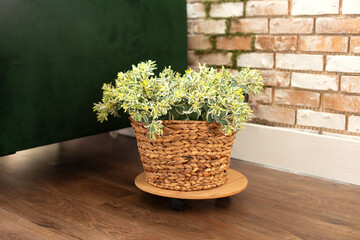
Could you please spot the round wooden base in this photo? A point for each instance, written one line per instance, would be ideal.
(236, 183)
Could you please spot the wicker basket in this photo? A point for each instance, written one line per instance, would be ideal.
(191, 155)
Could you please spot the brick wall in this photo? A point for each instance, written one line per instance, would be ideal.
(308, 52)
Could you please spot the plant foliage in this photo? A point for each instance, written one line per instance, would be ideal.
(203, 95)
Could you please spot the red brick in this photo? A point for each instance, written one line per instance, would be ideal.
(320, 119)
(227, 9)
(341, 63)
(355, 44)
(306, 62)
(255, 60)
(338, 25)
(195, 10)
(234, 43)
(264, 97)
(350, 84)
(200, 26)
(250, 25)
(276, 43)
(198, 42)
(342, 103)
(266, 8)
(350, 7)
(354, 124)
(274, 114)
(277, 79)
(297, 98)
(291, 25)
(218, 59)
(323, 43)
(314, 7)
(193, 59)
(315, 81)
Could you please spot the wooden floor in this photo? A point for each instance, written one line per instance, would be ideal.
(84, 189)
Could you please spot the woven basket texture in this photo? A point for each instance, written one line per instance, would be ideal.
(189, 156)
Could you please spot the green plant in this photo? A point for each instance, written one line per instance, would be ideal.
(204, 95)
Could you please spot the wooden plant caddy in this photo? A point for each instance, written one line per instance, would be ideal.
(236, 183)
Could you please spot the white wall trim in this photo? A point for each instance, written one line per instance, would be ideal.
(329, 157)
(125, 131)
(317, 155)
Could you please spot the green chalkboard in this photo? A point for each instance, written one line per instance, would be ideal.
(56, 54)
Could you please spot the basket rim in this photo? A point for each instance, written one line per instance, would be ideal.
(179, 121)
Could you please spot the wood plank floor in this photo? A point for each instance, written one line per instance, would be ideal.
(84, 189)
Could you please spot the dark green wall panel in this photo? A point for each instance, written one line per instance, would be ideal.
(55, 55)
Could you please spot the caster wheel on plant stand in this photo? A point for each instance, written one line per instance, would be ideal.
(178, 204)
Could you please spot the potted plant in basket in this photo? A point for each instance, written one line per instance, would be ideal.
(185, 125)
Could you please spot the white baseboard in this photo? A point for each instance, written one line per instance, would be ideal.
(302, 152)
(125, 131)
(307, 153)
